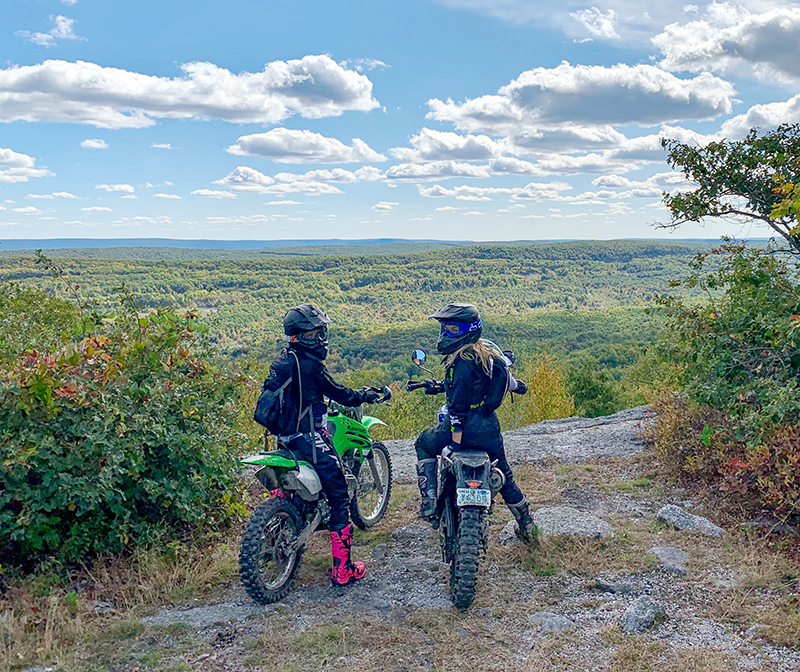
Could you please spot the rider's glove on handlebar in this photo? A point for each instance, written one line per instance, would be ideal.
(370, 397)
(522, 388)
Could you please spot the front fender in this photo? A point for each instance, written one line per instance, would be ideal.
(368, 421)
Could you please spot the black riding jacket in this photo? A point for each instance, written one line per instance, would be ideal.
(316, 384)
(465, 385)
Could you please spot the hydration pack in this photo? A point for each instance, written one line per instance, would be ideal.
(276, 410)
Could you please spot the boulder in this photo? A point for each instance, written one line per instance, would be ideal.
(673, 560)
(641, 615)
(568, 522)
(508, 535)
(683, 520)
(551, 622)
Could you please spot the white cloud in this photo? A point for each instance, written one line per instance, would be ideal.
(94, 143)
(130, 196)
(594, 95)
(54, 195)
(174, 197)
(598, 24)
(27, 210)
(473, 212)
(139, 220)
(362, 64)
(97, 208)
(16, 167)
(241, 219)
(729, 36)
(213, 193)
(384, 206)
(430, 145)
(533, 191)
(247, 179)
(116, 188)
(448, 208)
(161, 145)
(510, 166)
(86, 93)
(436, 170)
(284, 145)
(61, 31)
(765, 117)
(287, 202)
(70, 3)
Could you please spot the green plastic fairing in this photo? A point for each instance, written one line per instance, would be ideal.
(271, 461)
(368, 421)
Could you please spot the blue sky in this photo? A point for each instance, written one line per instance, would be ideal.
(446, 119)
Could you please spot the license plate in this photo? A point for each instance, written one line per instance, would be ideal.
(473, 497)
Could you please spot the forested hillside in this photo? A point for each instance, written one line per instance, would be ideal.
(528, 293)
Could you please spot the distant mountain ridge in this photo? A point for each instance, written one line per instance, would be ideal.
(204, 244)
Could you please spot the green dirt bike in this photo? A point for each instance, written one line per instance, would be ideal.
(276, 534)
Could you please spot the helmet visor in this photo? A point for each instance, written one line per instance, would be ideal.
(456, 329)
(318, 335)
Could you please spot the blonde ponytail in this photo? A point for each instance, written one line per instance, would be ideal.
(474, 351)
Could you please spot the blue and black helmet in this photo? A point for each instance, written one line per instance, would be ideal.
(460, 324)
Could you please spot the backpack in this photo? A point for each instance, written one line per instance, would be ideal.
(498, 385)
(276, 410)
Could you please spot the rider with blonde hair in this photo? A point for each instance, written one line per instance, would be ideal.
(473, 423)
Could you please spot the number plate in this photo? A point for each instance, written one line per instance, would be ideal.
(473, 497)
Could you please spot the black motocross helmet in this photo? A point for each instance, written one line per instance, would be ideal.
(306, 327)
(460, 324)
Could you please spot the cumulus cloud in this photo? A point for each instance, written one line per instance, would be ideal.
(599, 24)
(97, 208)
(288, 202)
(284, 145)
(169, 196)
(94, 143)
(362, 64)
(436, 170)
(213, 193)
(16, 167)
(595, 95)
(116, 188)
(54, 195)
(431, 145)
(765, 117)
(335, 175)
(384, 206)
(87, 93)
(27, 210)
(161, 145)
(63, 30)
(729, 35)
(245, 179)
(533, 191)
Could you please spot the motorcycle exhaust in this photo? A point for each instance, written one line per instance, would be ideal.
(496, 480)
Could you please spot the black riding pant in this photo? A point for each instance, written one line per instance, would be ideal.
(330, 474)
(479, 433)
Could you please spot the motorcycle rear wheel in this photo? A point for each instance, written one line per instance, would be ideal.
(464, 566)
(369, 505)
(266, 564)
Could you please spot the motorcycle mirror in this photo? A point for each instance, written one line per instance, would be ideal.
(419, 357)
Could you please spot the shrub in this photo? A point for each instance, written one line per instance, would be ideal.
(114, 439)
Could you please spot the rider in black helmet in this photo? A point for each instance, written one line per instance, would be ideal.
(471, 424)
(306, 331)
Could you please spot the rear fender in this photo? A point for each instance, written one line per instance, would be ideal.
(470, 465)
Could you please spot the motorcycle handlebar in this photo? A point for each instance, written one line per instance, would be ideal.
(430, 386)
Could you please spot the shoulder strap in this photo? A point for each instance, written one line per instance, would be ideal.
(300, 410)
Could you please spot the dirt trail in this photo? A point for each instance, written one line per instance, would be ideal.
(556, 609)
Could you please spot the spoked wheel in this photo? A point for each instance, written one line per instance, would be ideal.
(464, 567)
(372, 497)
(267, 563)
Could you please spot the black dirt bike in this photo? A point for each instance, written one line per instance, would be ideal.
(467, 483)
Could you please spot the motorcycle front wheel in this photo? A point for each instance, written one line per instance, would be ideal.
(370, 501)
(464, 565)
(267, 563)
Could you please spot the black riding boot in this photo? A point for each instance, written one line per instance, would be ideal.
(426, 479)
(526, 530)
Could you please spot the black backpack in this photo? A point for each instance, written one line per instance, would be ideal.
(276, 410)
(498, 385)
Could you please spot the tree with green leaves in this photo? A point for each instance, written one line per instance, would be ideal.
(749, 180)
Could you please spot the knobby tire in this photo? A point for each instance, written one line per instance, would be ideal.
(464, 568)
(372, 518)
(279, 515)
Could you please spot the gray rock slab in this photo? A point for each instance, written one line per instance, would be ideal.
(641, 615)
(551, 622)
(567, 440)
(413, 532)
(202, 617)
(673, 560)
(612, 585)
(683, 520)
(508, 535)
(566, 521)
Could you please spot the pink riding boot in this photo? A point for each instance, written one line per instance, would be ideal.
(344, 570)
